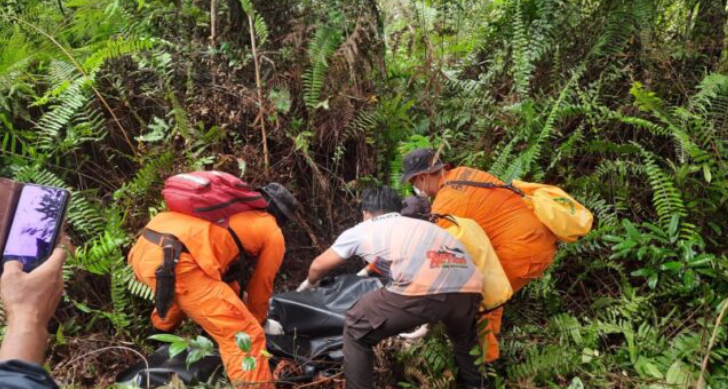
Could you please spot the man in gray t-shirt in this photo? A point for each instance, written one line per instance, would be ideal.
(417, 257)
(431, 279)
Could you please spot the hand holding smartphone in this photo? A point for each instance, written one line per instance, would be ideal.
(31, 221)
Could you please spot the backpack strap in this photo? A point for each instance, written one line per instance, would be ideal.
(239, 243)
(238, 271)
(487, 185)
(436, 217)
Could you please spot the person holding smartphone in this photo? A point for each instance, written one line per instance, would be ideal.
(31, 285)
(29, 299)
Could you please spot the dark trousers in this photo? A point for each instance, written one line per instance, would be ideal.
(381, 314)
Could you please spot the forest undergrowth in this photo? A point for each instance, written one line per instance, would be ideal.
(624, 103)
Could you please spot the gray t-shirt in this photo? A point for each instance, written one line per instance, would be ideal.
(418, 257)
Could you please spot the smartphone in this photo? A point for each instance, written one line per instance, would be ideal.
(36, 224)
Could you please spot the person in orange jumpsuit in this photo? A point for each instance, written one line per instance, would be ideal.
(201, 294)
(524, 245)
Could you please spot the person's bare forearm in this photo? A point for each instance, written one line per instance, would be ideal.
(25, 339)
(322, 265)
(315, 274)
(29, 300)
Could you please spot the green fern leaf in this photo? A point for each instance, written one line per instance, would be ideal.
(666, 198)
(523, 56)
(51, 124)
(323, 45)
(116, 48)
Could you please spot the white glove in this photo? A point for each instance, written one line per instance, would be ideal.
(363, 272)
(305, 285)
(273, 327)
(418, 333)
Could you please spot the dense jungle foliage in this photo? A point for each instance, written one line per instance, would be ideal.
(624, 103)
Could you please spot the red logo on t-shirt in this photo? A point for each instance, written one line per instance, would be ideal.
(446, 258)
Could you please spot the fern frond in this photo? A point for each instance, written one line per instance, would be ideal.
(50, 125)
(137, 288)
(590, 245)
(503, 158)
(87, 126)
(98, 255)
(645, 124)
(527, 158)
(144, 179)
(323, 45)
(414, 373)
(103, 255)
(365, 123)
(543, 361)
(259, 26)
(181, 120)
(61, 71)
(522, 55)
(666, 198)
(120, 299)
(711, 104)
(620, 26)
(619, 167)
(567, 328)
(115, 48)
(647, 101)
(467, 94)
(15, 145)
(16, 57)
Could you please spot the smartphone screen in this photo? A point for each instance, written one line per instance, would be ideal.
(36, 224)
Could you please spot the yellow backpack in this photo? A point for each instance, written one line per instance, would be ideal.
(565, 217)
(496, 287)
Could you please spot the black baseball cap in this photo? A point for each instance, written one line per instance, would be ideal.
(420, 161)
(282, 199)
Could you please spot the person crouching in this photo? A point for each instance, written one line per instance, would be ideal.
(204, 253)
(431, 278)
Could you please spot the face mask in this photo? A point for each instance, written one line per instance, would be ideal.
(419, 193)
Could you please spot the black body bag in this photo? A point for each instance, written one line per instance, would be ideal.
(314, 324)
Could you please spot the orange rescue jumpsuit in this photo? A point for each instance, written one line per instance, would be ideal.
(525, 247)
(200, 293)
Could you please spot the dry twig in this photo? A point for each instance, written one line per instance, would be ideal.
(706, 358)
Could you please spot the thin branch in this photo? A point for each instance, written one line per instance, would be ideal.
(314, 383)
(706, 358)
(146, 363)
(261, 108)
(213, 22)
(213, 38)
(60, 6)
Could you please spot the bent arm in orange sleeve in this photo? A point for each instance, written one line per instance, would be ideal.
(260, 287)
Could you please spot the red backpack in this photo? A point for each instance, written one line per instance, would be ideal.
(213, 196)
